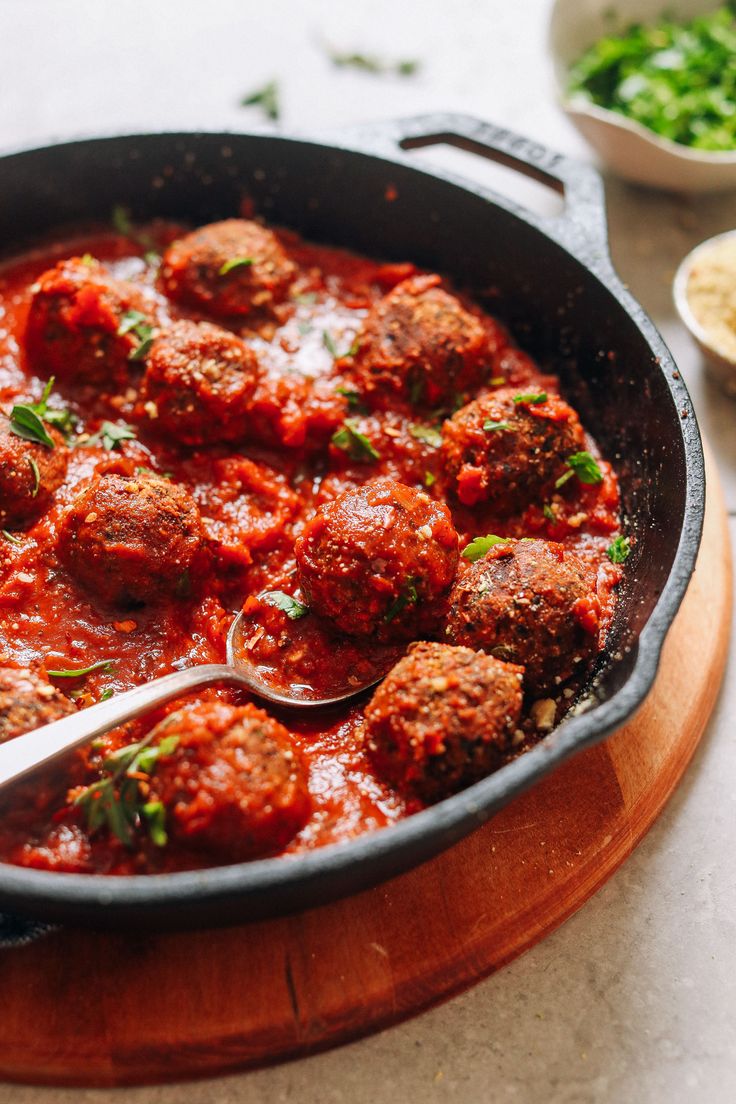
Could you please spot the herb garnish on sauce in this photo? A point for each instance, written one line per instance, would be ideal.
(118, 801)
(619, 549)
(354, 443)
(584, 466)
(27, 419)
(480, 545)
(279, 600)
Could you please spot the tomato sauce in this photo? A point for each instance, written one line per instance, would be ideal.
(254, 502)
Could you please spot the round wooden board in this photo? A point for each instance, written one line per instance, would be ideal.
(99, 1009)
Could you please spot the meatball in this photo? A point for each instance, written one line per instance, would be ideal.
(199, 384)
(29, 475)
(506, 452)
(228, 268)
(420, 344)
(443, 718)
(133, 540)
(530, 602)
(27, 702)
(84, 326)
(234, 785)
(379, 560)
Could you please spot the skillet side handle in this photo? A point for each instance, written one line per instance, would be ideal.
(582, 225)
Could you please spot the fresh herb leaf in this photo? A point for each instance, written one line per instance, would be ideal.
(267, 98)
(25, 422)
(143, 349)
(107, 693)
(11, 538)
(120, 218)
(429, 479)
(110, 435)
(548, 512)
(131, 320)
(354, 443)
(619, 549)
(82, 672)
(368, 63)
(293, 609)
(354, 399)
(135, 323)
(409, 596)
(329, 343)
(430, 435)
(416, 390)
(480, 545)
(532, 398)
(36, 476)
(675, 77)
(235, 262)
(491, 427)
(27, 415)
(118, 800)
(584, 466)
(154, 814)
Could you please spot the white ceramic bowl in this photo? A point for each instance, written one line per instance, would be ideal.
(630, 149)
(721, 366)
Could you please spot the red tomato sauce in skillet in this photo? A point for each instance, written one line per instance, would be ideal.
(254, 500)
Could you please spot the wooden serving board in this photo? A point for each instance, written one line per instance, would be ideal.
(100, 1009)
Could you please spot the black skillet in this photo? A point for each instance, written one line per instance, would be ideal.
(556, 288)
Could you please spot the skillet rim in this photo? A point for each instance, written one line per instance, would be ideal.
(581, 232)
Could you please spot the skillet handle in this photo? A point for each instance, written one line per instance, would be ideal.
(582, 225)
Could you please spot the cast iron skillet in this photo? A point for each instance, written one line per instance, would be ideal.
(552, 281)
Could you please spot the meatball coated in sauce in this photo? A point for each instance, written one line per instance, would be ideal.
(235, 267)
(507, 453)
(199, 384)
(234, 785)
(131, 541)
(379, 561)
(27, 702)
(421, 345)
(530, 602)
(74, 323)
(443, 718)
(29, 475)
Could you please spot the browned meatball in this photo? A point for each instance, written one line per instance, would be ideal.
(29, 475)
(379, 560)
(234, 785)
(199, 384)
(27, 702)
(235, 267)
(443, 718)
(530, 602)
(133, 540)
(84, 326)
(420, 344)
(508, 453)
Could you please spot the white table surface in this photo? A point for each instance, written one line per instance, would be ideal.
(634, 998)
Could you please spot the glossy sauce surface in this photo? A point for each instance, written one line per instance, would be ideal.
(254, 502)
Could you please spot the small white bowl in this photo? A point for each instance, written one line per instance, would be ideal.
(630, 149)
(720, 366)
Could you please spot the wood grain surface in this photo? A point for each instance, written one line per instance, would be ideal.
(88, 1008)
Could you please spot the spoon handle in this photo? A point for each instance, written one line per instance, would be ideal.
(24, 753)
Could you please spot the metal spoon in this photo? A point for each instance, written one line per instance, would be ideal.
(24, 753)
